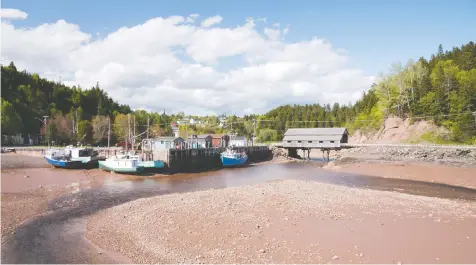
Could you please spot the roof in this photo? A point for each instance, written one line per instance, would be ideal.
(200, 136)
(218, 135)
(167, 138)
(336, 137)
(238, 138)
(315, 131)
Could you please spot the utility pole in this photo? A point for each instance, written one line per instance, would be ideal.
(108, 130)
(46, 130)
(147, 134)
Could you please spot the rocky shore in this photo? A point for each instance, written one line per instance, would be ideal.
(453, 157)
(289, 222)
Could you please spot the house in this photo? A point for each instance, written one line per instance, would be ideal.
(315, 137)
(200, 141)
(167, 142)
(16, 139)
(238, 141)
(220, 140)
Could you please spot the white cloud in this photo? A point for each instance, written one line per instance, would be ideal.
(10, 13)
(212, 21)
(169, 63)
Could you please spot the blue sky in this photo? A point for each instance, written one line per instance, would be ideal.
(374, 33)
(167, 59)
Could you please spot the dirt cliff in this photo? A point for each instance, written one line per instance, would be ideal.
(398, 130)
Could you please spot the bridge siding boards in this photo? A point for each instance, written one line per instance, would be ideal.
(310, 138)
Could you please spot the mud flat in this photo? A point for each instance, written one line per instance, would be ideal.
(451, 167)
(28, 183)
(289, 221)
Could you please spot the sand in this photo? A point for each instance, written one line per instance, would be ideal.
(289, 222)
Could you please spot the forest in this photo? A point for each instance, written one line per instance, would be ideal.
(441, 89)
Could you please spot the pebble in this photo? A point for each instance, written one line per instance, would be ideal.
(262, 251)
(26, 176)
(335, 257)
(361, 255)
(40, 186)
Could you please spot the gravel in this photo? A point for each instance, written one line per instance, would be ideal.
(288, 222)
(462, 157)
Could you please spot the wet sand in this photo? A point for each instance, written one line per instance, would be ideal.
(289, 221)
(432, 173)
(29, 183)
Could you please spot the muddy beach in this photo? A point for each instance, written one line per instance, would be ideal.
(276, 212)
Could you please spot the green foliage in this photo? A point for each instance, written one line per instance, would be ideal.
(85, 131)
(11, 121)
(268, 135)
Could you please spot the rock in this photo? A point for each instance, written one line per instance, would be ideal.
(40, 186)
(262, 251)
(361, 255)
(257, 227)
(26, 176)
(99, 252)
(335, 257)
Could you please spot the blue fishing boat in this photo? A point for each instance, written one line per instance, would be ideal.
(231, 158)
(72, 157)
(60, 158)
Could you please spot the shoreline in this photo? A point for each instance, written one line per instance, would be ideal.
(461, 175)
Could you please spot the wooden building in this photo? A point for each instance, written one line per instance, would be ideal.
(167, 142)
(200, 141)
(220, 140)
(238, 141)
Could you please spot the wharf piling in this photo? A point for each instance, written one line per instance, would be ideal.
(201, 159)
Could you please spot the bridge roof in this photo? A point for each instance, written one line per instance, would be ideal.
(316, 131)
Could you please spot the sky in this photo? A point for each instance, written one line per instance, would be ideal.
(233, 57)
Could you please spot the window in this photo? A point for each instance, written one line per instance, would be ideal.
(289, 142)
(321, 142)
(161, 142)
(309, 141)
(332, 142)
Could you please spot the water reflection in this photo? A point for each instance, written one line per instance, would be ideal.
(297, 171)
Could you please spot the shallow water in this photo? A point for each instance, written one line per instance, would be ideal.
(48, 239)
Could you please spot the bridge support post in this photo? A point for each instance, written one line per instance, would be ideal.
(328, 151)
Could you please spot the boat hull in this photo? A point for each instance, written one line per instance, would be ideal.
(125, 170)
(64, 164)
(233, 162)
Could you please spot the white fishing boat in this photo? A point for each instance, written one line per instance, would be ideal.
(122, 164)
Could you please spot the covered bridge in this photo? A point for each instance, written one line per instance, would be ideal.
(319, 138)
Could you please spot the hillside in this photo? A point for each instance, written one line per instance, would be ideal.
(439, 94)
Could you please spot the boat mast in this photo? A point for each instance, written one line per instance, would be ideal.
(108, 130)
(133, 139)
(128, 132)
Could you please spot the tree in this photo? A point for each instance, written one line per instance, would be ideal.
(11, 121)
(155, 131)
(100, 128)
(267, 135)
(85, 131)
(122, 126)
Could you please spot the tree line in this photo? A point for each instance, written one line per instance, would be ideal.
(441, 89)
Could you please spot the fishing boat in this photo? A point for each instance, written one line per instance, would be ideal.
(73, 157)
(122, 164)
(61, 158)
(231, 158)
(149, 165)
